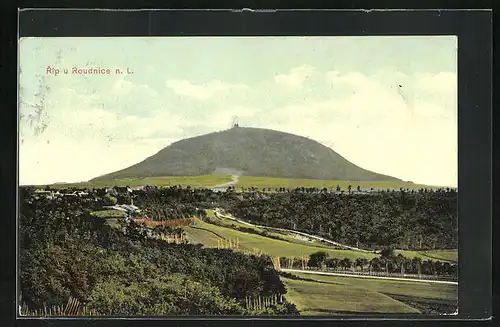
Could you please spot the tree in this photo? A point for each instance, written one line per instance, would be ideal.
(387, 252)
(416, 264)
(401, 262)
(317, 259)
(109, 200)
(332, 263)
(175, 295)
(361, 263)
(375, 264)
(428, 267)
(387, 257)
(346, 263)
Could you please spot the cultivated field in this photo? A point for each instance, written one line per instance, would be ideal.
(208, 234)
(330, 298)
(243, 181)
(111, 217)
(288, 245)
(424, 296)
(449, 255)
(273, 182)
(184, 181)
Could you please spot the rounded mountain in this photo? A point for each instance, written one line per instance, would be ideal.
(252, 152)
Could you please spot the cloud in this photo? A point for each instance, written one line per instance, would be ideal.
(62, 160)
(202, 91)
(368, 122)
(389, 122)
(295, 77)
(83, 144)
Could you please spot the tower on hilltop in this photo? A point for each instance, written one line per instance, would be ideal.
(235, 122)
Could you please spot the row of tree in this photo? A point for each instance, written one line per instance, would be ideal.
(387, 262)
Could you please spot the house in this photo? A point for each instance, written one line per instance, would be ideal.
(117, 190)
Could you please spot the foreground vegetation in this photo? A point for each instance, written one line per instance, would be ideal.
(65, 251)
(175, 257)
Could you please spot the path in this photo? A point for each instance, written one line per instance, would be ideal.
(370, 277)
(319, 238)
(228, 184)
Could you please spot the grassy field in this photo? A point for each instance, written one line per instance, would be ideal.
(424, 290)
(429, 298)
(273, 182)
(193, 181)
(244, 181)
(108, 213)
(448, 255)
(281, 235)
(331, 295)
(437, 255)
(111, 217)
(208, 234)
(315, 298)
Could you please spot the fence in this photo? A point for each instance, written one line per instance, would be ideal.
(168, 223)
(177, 239)
(72, 308)
(384, 274)
(262, 302)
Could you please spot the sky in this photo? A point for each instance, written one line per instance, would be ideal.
(385, 103)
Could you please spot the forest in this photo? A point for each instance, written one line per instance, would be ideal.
(65, 252)
(409, 220)
(398, 219)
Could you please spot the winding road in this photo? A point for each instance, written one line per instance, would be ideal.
(318, 238)
(228, 184)
(370, 277)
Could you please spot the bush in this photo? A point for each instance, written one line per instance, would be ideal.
(109, 200)
(175, 295)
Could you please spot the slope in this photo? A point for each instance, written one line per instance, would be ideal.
(251, 152)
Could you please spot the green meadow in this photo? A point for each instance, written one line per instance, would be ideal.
(209, 234)
(289, 245)
(165, 181)
(423, 297)
(243, 182)
(320, 298)
(274, 182)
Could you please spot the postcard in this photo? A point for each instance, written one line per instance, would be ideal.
(238, 176)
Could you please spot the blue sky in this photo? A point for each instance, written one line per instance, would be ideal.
(387, 104)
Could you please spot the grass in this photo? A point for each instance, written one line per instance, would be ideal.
(111, 217)
(233, 224)
(165, 181)
(274, 182)
(448, 255)
(428, 298)
(108, 213)
(244, 181)
(452, 255)
(313, 298)
(436, 255)
(208, 234)
(444, 292)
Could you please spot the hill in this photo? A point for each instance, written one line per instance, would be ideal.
(251, 152)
